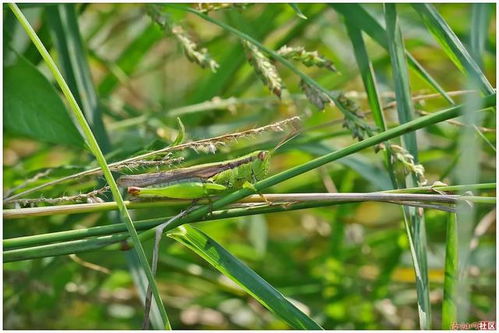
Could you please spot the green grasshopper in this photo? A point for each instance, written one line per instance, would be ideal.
(201, 180)
(196, 182)
(193, 183)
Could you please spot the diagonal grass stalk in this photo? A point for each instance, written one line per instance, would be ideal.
(95, 149)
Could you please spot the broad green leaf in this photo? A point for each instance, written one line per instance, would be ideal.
(33, 108)
(241, 274)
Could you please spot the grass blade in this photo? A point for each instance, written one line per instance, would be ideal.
(481, 14)
(414, 221)
(449, 306)
(359, 17)
(63, 22)
(468, 168)
(452, 45)
(241, 274)
(298, 11)
(367, 74)
(68, 235)
(94, 147)
(140, 282)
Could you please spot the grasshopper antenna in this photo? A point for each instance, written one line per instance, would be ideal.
(286, 139)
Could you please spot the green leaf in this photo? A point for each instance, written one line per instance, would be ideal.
(481, 13)
(141, 283)
(449, 310)
(452, 45)
(364, 21)
(72, 58)
(414, 222)
(241, 274)
(33, 108)
(369, 80)
(299, 13)
(181, 133)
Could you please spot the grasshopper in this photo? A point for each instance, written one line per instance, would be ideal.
(196, 182)
(201, 180)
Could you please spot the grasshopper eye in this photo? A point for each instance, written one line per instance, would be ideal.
(262, 155)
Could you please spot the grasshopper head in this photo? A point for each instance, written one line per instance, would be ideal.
(261, 164)
(132, 190)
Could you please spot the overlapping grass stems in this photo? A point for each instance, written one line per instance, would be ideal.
(28, 247)
(95, 149)
(413, 218)
(408, 127)
(195, 240)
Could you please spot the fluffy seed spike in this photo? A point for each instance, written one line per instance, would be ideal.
(265, 70)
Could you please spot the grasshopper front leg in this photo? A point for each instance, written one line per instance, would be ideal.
(253, 188)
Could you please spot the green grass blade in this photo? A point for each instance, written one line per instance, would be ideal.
(298, 11)
(77, 241)
(63, 22)
(414, 222)
(468, 169)
(452, 45)
(359, 17)
(367, 73)
(481, 13)
(369, 80)
(94, 147)
(140, 281)
(57, 249)
(241, 274)
(449, 306)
